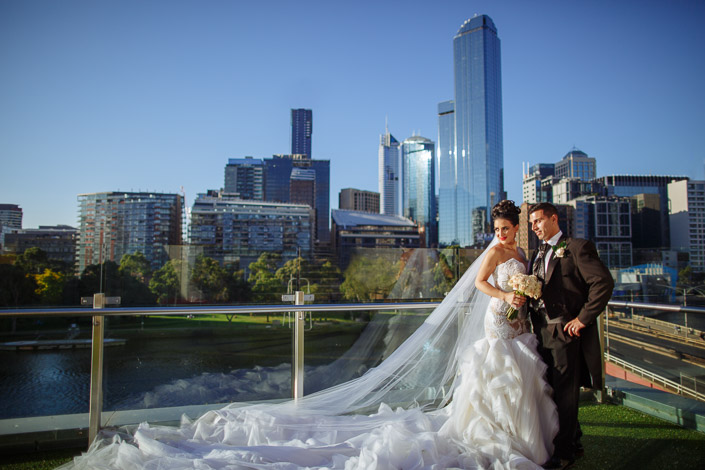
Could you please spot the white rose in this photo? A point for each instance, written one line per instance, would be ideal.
(560, 252)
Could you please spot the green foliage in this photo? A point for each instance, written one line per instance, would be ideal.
(266, 286)
(166, 282)
(114, 282)
(137, 266)
(211, 279)
(685, 277)
(50, 286)
(369, 278)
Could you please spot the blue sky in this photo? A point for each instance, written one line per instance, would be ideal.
(157, 95)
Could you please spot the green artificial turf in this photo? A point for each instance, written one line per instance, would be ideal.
(617, 437)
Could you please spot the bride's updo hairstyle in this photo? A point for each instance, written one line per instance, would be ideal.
(506, 210)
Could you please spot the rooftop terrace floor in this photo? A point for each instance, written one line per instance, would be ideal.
(615, 437)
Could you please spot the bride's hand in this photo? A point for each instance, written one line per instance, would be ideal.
(514, 299)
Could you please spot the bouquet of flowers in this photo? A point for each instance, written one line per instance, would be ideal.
(523, 284)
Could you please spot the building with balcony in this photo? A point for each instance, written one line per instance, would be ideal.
(58, 242)
(358, 200)
(232, 230)
(114, 224)
(419, 186)
(10, 221)
(244, 177)
(352, 230)
(687, 219)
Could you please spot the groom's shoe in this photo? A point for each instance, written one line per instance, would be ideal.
(556, 462)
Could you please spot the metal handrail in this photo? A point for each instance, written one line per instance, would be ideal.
(97, 346)
(255, 308)
(210, 310)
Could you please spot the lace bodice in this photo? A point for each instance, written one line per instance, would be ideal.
(496, 323)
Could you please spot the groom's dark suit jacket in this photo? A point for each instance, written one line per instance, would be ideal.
(576, 285)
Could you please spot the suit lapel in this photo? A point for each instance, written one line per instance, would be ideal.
(554, 260)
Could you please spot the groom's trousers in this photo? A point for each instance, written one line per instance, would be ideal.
(562, 355)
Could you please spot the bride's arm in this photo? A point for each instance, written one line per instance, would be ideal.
(489, 264)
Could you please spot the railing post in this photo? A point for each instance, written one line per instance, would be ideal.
(96, 393)
(297, 364)
(604, 336)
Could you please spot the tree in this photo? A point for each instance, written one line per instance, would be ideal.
(369, 278)
(137, 266)
(111, 281)
(265, 284)
(211, 279)
(166, 282)
(16, 288)
(50, 286)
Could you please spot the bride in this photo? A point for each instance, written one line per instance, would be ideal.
(465, 390)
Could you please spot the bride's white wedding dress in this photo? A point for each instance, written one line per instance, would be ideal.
(501, 414)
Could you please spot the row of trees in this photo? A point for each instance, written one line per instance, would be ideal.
(33, 279)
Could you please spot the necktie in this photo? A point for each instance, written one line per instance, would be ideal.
(540, 263)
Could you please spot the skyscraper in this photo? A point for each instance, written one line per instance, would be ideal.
(476, 171)
(447, 227)
(389, 175)
(419, 188)
(301, 131)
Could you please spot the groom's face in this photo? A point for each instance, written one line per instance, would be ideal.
(543, 226)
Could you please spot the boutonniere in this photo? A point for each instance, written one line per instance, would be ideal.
(560, 249)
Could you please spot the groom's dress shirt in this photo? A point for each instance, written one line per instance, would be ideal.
(551, 242)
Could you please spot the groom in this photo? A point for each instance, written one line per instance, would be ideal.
(576, 289)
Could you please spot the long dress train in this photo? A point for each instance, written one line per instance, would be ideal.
(500, 415)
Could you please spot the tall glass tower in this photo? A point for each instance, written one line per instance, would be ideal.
(477, 161)
(419, 188)
(389, 175)
(301, 131)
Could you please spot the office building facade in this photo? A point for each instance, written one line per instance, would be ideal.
(301, 132)
(58, 242)
(477, 166)
(389, 174)
(418, 155)
(358, 200)
(114, 224)
(278, 180)
(687, 220)
(352, 230)
(447, 222)
(576, 164)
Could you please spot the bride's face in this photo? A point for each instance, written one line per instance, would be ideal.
(505, 231)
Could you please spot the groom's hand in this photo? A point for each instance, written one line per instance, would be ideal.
(573, 327)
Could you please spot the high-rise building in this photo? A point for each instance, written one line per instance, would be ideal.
(477, 163)
(418, 155)
(687, 218)
(301, 132)
(576, 164)
(302, 186)
(10, 221)
(358, 200)
(232, 230)
(10, 216)
(389, 175)
(447, 223)
(114, 224)
(244, 177)
(277, 187)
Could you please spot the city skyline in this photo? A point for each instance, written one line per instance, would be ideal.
(155, 97)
